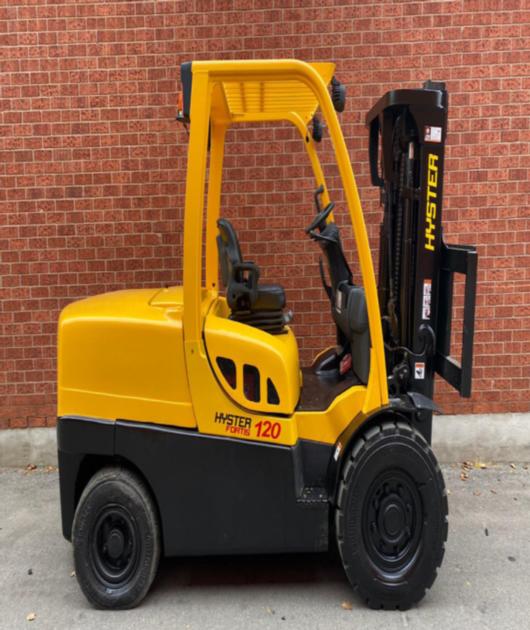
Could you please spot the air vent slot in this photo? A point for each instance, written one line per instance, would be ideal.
(272, 393)
(228, 370)
(251, 383)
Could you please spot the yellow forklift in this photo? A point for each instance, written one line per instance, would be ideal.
(186, 425)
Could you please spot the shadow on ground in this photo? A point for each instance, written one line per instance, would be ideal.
(222, 572)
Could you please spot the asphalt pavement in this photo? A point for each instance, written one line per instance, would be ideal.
(483, 583)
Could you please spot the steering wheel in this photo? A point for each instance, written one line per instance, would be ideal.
(320, 219)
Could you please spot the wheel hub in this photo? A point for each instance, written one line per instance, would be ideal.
(115, 545)
(393, 519)
(392, 522)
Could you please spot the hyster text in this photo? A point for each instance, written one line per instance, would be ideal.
(238, 425)
(432, 200)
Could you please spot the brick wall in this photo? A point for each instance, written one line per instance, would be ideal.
(92, 163)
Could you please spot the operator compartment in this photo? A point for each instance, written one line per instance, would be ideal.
(251, 350)
(351, 359)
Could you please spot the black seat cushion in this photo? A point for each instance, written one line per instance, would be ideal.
(271, 297)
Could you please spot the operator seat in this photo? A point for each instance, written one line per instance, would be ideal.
(250, 303)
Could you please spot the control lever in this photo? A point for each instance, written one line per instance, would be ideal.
(320, 219)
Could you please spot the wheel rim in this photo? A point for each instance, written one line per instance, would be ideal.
(393, 523)
(115, 546)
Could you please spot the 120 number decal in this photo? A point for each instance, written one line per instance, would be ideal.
(269, 429)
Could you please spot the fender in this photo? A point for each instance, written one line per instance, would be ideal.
(416, 410)
(78, 437)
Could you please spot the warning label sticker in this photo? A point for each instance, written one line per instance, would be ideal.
(426, 302)
(419, 371)
(433, 134)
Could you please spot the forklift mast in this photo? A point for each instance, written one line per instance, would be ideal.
(408, 131)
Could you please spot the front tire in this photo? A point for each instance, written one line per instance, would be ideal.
(116, 539)
(391, 516)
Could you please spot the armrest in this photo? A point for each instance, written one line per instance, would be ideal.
(246, 276)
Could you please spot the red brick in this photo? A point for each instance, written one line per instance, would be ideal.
(92, 165)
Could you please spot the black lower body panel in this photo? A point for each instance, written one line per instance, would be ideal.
(83, 444)
(215, 495)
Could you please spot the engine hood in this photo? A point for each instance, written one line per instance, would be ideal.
(121, 355)
(128, 304)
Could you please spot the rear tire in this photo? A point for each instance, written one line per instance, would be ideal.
(116, 539)
(391, 516)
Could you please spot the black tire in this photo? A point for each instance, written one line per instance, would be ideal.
(391, 516)
(116, 539)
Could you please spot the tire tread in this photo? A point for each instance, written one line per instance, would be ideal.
(364, 443)
(134, 483)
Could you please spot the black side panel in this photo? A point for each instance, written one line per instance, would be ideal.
(215, 495)
(316, 458)
(223, 496)
(69, 464)
(76, 438)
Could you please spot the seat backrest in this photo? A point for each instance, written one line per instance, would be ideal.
(229, 250)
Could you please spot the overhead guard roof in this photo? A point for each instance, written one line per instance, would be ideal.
(254, 96)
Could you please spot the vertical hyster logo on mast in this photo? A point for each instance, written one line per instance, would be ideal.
(432, 201)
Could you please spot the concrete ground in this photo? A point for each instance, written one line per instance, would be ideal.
(483, 583)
